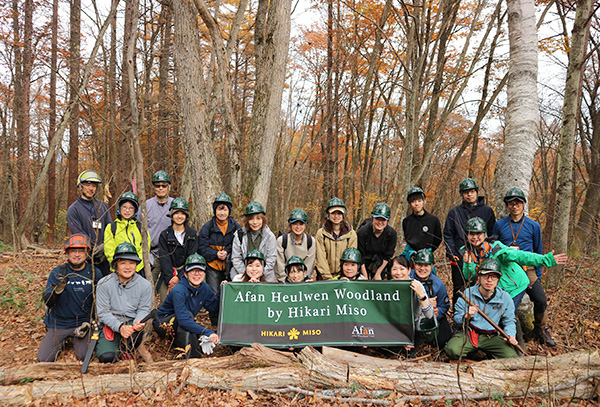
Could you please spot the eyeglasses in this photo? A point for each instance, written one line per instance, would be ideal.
(127, 207)
(161, 185)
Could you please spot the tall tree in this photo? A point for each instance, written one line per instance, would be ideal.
(74, 67)
(515, 164)
(52, 125)
(271, 44)
(571, 103)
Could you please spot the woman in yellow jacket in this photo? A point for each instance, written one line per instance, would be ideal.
(332, 239)
(125, 229)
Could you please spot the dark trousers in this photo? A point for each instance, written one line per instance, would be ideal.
(214, 279)
(54, 341)
(537, 295)
(184, 338)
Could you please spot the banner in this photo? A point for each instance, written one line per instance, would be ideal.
(334, 313)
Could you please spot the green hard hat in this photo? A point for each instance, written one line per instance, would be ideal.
(514, 193)
(88, 176)
(414, 192)
(294, 260)
(476, 225)
(298, 215)
(195, 261)
(336, 203)
(424, 256)
(125, 251)
(351, 254)
(467, 184)
(161, 176)
(255, 254)
(179, 204)
(254, 208)
(128, 197)
(223, 198)
(489, 265)
(381, 210)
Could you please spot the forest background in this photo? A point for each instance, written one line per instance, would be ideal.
(360, 100)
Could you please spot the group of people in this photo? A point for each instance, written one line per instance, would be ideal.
(189, 267)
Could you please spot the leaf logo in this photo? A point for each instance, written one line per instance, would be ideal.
(293, 334)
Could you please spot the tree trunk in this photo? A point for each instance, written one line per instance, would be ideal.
(272, 36)
(571, 102)
(74, 66)
(162, 127)
(201, 172)
(515, 164)
(51, 220)
(335, 371)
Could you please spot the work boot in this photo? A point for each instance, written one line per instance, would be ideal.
(543, 336)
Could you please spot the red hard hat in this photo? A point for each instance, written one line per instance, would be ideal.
(77, 240)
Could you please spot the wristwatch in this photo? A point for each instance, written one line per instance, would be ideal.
(423, 298)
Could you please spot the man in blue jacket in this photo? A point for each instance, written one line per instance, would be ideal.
(438, 296)
(522, 233)
(472, 206)
(89, 216)
(178, 312)
(477, 333)
(69, 298)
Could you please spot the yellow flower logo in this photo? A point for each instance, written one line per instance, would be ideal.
(293, 334)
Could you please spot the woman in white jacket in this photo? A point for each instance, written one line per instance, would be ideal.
(254, 234)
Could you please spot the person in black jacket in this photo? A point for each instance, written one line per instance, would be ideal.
(454, 229)
(176, 244)
(422, 230)
(215, 242)
(376, 243)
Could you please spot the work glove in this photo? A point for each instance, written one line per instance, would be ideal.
(206, 345)
(82, 330)
(60, 287)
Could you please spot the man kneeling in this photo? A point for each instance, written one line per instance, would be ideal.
(176, 316)
(477, 333)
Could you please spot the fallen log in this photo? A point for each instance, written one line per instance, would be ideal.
(337, 373)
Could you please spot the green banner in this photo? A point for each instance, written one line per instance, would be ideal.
(342, 313)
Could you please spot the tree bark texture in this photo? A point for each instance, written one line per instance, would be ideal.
(272, 36)
(335, 371)
(570, 114)
(74, 67)
(201, 171)
(515, 164)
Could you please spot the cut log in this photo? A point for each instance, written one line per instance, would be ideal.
(258, 368)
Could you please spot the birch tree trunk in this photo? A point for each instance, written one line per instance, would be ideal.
(272, 36)
(564, 181)
(201, 172)
(515, 164)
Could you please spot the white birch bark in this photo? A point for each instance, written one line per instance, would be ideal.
(515, 165)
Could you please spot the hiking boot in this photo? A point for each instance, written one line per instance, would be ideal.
(82, 330)
(543, 336)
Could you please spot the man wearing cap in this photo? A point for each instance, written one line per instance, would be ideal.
(477, 333)
(376, 242)
(69, 298)
(455, 236)
(89, 216)
(422, 230)
(184, 302)
(295, 243)
(158, 217)
(522, 233)
(123, 299)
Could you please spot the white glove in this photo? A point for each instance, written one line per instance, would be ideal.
(206, 345)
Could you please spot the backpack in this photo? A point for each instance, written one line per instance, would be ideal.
(284, 241)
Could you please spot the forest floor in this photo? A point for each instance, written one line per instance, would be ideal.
(574, 313)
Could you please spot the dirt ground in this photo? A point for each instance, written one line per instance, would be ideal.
(574, 313)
